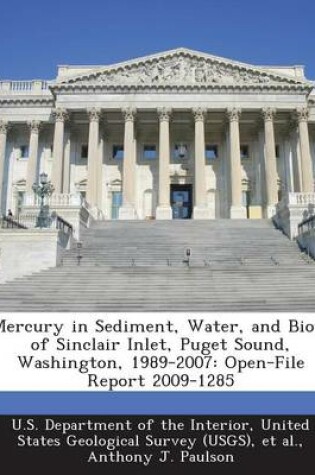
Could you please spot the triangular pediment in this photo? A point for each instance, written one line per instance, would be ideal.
(180, 70)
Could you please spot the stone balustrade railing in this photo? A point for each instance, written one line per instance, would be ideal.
(65, 199)
(302, 199)
(25, 87)
(57, 200)
(292, 210)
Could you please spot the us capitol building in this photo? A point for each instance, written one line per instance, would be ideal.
(175, 135)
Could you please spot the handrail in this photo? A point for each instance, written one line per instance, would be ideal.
(30, 221)
(63, 225)
(306, 225)
(8, 222)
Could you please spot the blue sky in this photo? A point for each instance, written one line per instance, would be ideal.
(36, 35)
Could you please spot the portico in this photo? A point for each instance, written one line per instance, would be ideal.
(123, 137)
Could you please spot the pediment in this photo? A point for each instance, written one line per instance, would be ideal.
(178, 71)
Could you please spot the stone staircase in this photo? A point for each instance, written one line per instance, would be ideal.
(140, 266)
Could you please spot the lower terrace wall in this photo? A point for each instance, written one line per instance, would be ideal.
(24, 251)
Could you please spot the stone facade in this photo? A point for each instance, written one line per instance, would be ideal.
(173, 135)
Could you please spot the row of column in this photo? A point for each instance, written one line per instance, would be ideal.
(235, 170)
(270, 161)
(164, 211)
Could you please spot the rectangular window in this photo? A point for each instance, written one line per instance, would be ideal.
(244, 149)
(211, 152)
(118, 152)
(84, 151)
(149, 152)
(23, 151)
(277, 151)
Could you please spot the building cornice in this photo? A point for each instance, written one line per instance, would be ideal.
(229, 89)
(31, 101)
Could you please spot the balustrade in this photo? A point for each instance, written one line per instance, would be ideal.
(300, 198)
(56, 199)
(25, 87)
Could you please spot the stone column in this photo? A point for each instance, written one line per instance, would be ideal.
(270, 163)
(3, 143)
(306, 160)
(92, 181)
(32, 165)
(201, 211)
(295, 155)
(223, 178)
(237, 211)
(164, 210)
(66, 162)
(99, 167)
(58, 149)
(127, 210)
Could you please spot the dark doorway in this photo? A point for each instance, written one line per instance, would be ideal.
(181, 201)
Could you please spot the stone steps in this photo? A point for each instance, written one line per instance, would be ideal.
(235, 266)
(159, 244)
